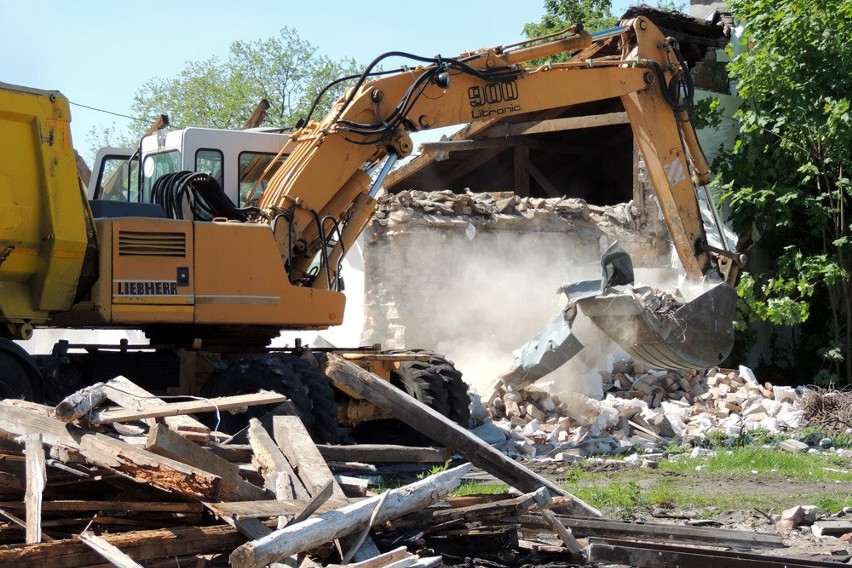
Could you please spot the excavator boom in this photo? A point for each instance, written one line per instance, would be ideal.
(324, 187)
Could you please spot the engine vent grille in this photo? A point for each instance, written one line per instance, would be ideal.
(139, 243)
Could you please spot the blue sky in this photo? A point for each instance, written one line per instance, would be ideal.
(99, 53)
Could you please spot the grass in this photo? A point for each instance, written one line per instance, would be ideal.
(778, 463)
(771, 480)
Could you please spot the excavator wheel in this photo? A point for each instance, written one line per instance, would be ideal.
(14, 379)
(436, 383)
(291, 376)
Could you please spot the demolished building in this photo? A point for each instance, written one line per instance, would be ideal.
(474, 236)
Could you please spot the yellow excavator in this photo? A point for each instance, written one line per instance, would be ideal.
(211, 278)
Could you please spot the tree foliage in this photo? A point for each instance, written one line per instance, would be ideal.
(285, 70)
(595, 15)
(787, 178)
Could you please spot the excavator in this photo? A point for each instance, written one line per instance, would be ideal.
(211, 269)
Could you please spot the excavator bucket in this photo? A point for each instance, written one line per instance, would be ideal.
(666, 334)
(697, 335)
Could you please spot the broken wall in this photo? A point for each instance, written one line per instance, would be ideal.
(475, 275)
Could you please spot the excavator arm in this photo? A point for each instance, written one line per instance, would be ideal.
(322, 196)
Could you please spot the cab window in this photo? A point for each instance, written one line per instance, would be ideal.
(210, 162)
(155, 166)
(251, 167)
(118, 179)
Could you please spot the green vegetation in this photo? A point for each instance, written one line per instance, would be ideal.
(771, 480)
(476, 488)
(285, 70)
(794, 72)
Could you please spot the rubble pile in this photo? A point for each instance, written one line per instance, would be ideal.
(409, 205)
(641, 408)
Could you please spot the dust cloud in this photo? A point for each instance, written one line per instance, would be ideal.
(478, 299)
(478, 295)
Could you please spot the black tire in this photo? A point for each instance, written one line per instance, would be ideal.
(15, 380)
(291, 376)
(323, 405)
(436, 383)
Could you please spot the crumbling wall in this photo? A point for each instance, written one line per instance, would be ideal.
(475, 275)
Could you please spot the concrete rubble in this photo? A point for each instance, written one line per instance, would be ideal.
(642, 408)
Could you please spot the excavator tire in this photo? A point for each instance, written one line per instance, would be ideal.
(14, 379)
(296, 379)
(436, 383)
(323, 405)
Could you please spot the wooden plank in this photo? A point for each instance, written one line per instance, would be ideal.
(277, 473)
(564, 533)
(558, 125)
(139, 545)
(642, 555)
(129, 506)
(36, 480)
(128, 461)
(335, 524)
(706, 536)
(258, 509)
(129, 395)
(446, 432)
(294, 440)
(542, 180)
(189, 407)
(380, 561)
(384, 453)
(109, 551)
(164, 441)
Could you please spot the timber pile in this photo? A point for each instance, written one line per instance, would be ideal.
(83, 485)
(146, 484)
(642, 408)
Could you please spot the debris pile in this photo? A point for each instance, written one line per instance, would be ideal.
(411, 205)
(642, 408)
(83, 485)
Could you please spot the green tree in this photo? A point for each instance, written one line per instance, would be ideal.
(285, 70)
(787, 178)
(595, 15)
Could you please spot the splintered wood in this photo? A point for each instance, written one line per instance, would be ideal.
(76, 492)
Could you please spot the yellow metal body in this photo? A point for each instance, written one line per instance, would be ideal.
(43, 212)
(166, 271)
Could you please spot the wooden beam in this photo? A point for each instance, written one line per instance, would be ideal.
(130, 396)
(699, 536)
(189, 407)
(80, 403)
(557, 125)
(384, 453)
(139, 545)
(293, 438)
(109, 551)
(648, 555)
(564, 533)
(444, 431)
(258, 115)
(123, 506)
(128, 461)
(542, 180)
(164, 441)
(277, 472)
(335, 524)
(36, 480)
